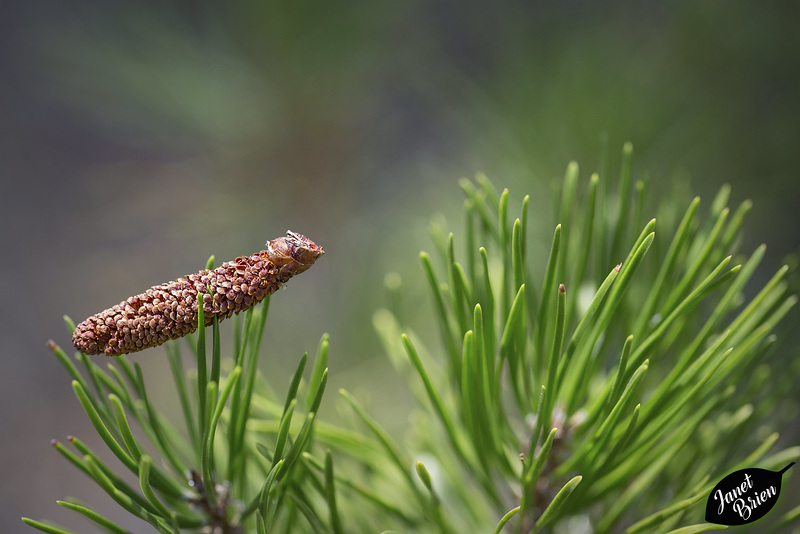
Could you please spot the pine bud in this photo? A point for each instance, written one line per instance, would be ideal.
(169, 311)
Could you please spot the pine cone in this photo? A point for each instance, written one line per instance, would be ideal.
(169, 311)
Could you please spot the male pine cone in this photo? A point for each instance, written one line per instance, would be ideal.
(169, 311)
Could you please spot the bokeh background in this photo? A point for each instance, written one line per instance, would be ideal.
(138, 138)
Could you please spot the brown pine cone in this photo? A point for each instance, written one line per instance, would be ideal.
(169, 311)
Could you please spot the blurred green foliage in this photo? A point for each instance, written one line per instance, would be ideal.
(342, 115)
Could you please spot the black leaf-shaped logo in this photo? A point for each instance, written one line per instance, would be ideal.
(744, 496)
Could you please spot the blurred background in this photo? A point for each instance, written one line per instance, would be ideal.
(138, 138)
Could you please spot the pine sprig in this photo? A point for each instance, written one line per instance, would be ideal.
(182, 480)
(627, 380)
(614, 388)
